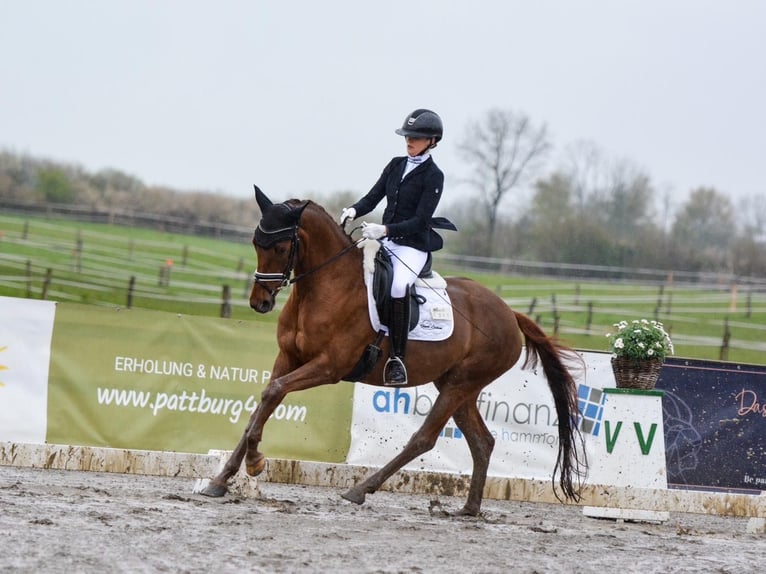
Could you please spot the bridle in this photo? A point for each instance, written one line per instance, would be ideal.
(269, 238)
(287, 277)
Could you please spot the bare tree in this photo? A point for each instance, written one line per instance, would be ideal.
(704, 227)
(619, 188)
(587, 168)
(505, 150)
(752, 215)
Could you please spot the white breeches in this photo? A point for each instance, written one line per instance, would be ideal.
(407, 262)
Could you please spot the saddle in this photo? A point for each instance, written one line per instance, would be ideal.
(383, 277)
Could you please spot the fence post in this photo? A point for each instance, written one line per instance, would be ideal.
(226, 303)
(185, 255)
(164, 280)
(77, 254)
(131, 288)
(532, 306)
(29, 278)
(589, 319)
(749, 304)
(46, 283)
(724, 355)
(659, 303)
(168, 269)
(25, 231)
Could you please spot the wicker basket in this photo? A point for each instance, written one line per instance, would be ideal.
(636, 374)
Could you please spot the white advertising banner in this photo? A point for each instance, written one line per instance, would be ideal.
(517, 408)
(26, 328)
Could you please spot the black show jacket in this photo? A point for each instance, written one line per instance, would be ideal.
(411, 203)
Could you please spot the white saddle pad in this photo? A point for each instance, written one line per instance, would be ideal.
(436, 320)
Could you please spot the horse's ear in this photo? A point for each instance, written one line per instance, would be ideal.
(263, 201)
(296, 212)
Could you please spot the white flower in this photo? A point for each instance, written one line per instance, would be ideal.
(640, 339)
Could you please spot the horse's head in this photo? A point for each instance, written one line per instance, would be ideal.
(276, 243)
(295, 240)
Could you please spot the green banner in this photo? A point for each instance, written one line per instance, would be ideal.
(126, 378)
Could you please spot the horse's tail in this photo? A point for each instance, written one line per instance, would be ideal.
(571, 464)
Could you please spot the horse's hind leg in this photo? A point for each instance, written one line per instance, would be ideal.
(421, 442)
(480, 442)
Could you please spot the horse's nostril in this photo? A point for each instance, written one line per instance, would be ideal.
(262, 306)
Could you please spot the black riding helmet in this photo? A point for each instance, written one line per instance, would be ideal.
(422, 124)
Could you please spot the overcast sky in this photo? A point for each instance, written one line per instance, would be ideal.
(303, 96)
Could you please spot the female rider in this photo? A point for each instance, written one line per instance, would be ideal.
(412, 186)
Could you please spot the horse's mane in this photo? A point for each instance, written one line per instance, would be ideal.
(313, 209)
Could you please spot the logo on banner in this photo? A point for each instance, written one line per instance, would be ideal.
(590, 402)
(2, 367)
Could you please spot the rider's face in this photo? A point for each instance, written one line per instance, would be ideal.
(416, 146)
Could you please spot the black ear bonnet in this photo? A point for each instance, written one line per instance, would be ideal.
(278, 223)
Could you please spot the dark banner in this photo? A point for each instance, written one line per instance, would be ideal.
(715, 424)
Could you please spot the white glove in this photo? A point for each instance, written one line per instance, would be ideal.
(373, 230)
(346, 214)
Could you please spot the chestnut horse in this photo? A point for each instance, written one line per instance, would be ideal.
(324, 329)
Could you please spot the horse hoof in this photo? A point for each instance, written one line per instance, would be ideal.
(214, 490)
(256, 467)
(465, 511)
(354, 495)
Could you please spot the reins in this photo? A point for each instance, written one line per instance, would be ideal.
(285, 278)
(338, 255)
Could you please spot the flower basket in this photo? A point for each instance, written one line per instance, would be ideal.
(636, 373)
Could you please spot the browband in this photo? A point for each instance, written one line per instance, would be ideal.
(266, 239)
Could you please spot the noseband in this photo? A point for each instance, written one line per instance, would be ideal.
(268, 238)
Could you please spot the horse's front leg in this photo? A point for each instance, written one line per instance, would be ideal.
(218, 486)
(316, 372)
(312, 374)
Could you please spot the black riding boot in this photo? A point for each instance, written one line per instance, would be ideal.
(394, 373)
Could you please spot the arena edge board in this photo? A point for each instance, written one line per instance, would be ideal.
(204, 466)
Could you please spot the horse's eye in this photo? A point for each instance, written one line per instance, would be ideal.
(280, 249)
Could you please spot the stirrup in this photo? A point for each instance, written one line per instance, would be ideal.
(394, 373)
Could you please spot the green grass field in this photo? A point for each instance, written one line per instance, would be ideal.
(94, 263)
